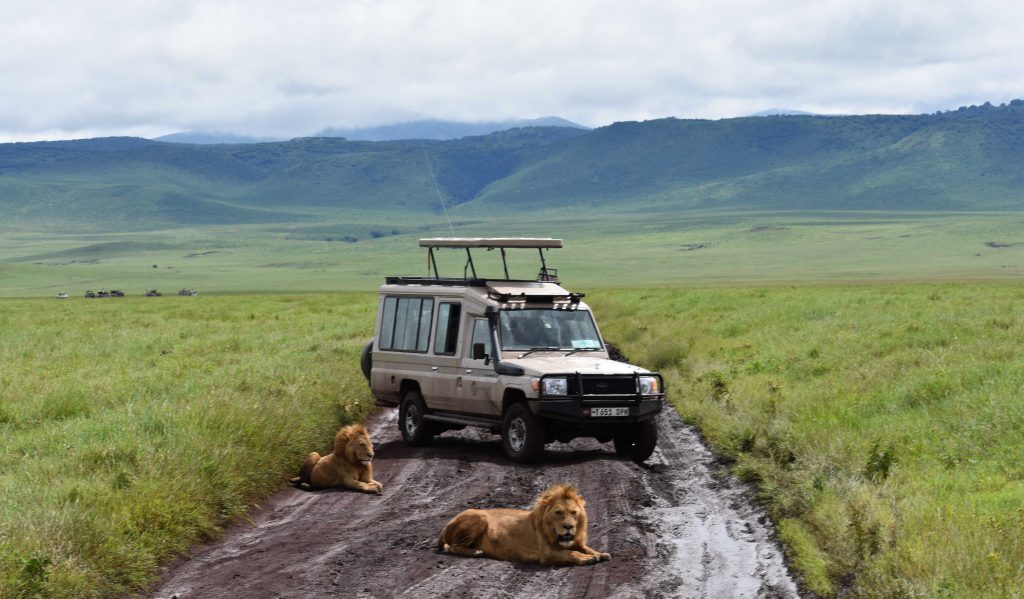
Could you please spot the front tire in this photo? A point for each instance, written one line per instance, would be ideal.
(415, 430)
(638, 442)
(522, 434)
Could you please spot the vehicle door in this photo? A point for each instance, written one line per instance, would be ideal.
(478, 382)
(445, 364)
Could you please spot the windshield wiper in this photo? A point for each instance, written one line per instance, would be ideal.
(535, 349)
(583, 349)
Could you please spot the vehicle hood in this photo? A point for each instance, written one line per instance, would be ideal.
(557, 363)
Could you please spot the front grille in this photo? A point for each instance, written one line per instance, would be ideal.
(602, 385)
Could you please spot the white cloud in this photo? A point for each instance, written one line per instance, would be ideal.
(81, 68)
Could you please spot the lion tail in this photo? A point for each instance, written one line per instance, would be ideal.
(307, 469)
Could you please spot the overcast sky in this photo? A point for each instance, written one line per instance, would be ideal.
(82, 68)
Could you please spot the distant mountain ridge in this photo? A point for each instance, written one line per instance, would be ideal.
(782, 112)
(203, 137)
(439, 130)
(424, 129)
(971, 159)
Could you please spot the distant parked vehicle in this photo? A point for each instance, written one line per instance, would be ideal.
(102, 293)
(116, 293)
(62, 295)
(187, 291)
(153, 293)
(90, 294)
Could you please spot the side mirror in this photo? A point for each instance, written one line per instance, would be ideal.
(479, 351)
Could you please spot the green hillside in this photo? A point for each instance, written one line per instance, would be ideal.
(966, 160)
(125, 184)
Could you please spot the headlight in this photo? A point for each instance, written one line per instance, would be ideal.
(555, 386)
(648, 385)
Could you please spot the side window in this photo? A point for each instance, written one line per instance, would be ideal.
(482, 334)
(387, 322)
(405, 324)
(447, 334)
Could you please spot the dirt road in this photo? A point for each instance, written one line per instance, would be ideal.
(674, 529)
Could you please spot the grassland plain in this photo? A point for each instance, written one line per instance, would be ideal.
(602, 249)
(134, 428)
(880, 423)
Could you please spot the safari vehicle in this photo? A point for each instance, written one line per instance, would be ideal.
(522, 358)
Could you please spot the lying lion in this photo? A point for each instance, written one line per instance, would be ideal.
(348, 465)
(554, 532)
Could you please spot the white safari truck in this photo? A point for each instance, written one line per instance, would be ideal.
(522, 358)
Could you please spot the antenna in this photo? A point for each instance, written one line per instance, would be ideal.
(437, 189)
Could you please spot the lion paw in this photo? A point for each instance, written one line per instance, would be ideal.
(377, 487)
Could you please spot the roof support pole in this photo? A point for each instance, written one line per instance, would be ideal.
(469, 263)
(437, 273)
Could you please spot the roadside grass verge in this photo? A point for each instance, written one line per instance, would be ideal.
(881, 424)
(135, 427)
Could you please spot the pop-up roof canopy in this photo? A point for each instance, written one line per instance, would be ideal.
(491, 242)
(469, 274)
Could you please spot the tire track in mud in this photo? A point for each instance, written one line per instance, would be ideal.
(675, 528)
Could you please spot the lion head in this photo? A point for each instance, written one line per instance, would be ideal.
(563, 519)
(353, 443)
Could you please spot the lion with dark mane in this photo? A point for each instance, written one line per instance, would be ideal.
(347, 466)
(554, 532)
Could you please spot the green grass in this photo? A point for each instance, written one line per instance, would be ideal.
(881, 424)
(134, 428)
(601, 249)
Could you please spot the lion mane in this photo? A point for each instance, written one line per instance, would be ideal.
(348, 465)
(554, 532)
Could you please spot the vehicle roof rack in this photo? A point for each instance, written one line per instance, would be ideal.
(489, 243)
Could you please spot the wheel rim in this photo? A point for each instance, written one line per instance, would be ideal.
(516, 435)
(411, 417)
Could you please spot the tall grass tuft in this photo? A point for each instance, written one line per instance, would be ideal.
(881, 424)
(135, 427)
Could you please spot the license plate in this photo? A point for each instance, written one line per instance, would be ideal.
(595, 412)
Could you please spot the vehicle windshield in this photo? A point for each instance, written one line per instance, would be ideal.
(560, 329)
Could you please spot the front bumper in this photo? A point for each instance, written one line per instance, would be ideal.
(577, 406)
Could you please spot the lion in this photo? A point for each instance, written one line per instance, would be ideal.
(347, 466)
(554, 532)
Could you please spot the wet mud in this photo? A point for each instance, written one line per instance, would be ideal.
(676, 528)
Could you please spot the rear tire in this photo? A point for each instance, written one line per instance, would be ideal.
(522, 434)
(366, 360)
(415, 430)
(638, 442)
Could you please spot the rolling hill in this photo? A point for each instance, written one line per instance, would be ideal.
(971, 159)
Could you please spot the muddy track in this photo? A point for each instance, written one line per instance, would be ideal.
(675, 529)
